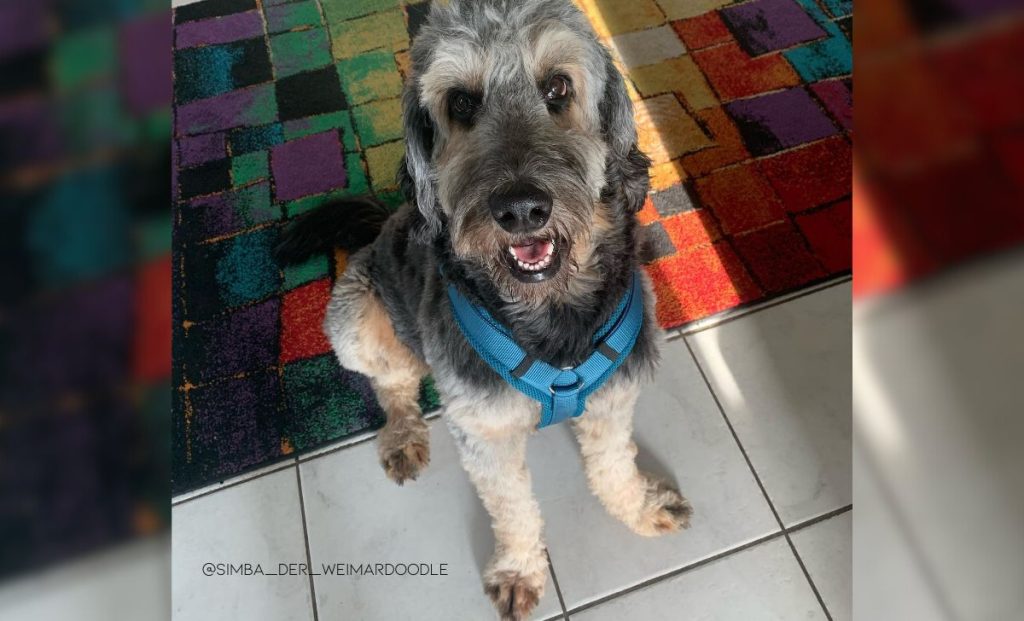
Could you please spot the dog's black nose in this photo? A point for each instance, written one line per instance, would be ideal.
(520, 209)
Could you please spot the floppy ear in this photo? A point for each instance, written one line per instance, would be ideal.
(626, 177)
(415, 175)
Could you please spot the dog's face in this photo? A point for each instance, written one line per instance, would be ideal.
(519, 138)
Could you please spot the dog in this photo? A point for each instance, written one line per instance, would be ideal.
(522, 177)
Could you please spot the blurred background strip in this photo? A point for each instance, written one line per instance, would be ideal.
(938, 221)
(84, 308)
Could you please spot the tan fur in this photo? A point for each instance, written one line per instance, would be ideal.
(645, 504)
(364, 340)
(491, 435)
(554, 49)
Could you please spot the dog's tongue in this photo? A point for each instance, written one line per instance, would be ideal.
(532, 252)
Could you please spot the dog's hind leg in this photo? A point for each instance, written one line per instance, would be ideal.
(646, 504)
(364, 339)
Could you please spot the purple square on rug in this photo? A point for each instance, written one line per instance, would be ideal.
(234, 424)
(219, 30)
(975, 9)
(310, 165)
(777, 121)
(74, 342)
(244, 340)
(221, 214)
(196, 150)
(766, 25)
(250, 106)
(22, 26)
(32, 124)
(145, 51)
(208, 216)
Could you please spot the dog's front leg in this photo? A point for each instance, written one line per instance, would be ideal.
(495, 459)
(644, 503)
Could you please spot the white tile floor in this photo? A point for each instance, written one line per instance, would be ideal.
(751, 417)
(938, 431)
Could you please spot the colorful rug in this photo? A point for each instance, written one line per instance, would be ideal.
(744, 108)
(85, 241)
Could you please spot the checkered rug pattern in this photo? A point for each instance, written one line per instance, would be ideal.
(85, 318)
(280, 106)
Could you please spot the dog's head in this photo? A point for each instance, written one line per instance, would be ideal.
(520, 142)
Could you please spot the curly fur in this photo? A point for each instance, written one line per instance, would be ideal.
(389, 316)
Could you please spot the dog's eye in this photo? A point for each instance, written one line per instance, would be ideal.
(557, 90)
(462, 106)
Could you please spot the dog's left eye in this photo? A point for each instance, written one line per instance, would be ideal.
(557, 90)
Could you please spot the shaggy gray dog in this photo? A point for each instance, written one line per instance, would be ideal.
(523, 180)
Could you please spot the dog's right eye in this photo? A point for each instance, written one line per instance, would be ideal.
(462, 106)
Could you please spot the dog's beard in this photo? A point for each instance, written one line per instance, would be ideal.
(514, 290)
(539, 265)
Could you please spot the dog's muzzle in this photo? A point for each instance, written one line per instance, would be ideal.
(523, 210)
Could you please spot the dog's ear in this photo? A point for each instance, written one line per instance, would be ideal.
(626, 171)
(415, 174)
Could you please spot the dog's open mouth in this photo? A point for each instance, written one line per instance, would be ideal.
(534, 260)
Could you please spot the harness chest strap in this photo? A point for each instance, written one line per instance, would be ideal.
(562, 393)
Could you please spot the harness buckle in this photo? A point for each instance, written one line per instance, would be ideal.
(567, 390)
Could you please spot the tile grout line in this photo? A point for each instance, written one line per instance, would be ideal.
(184, 498)
(305, 538)
(757, 479)
(807, 575)
(677, 571)
(554, 580)
(720, 555)
(818, 519)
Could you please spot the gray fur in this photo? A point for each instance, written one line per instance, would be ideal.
(514, 137)
(583, 154)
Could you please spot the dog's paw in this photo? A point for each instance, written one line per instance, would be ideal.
(404, 453)
(665, 510)
(514, 594)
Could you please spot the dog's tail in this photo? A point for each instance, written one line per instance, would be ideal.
(349, 224)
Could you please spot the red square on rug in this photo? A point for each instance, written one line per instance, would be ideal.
(692, 228)
(302, 318)
(152, 343)
(700, 282)
(702, 31)
(740, 198)
(735, 75)
(829, 232)
(811, 176)
(1009, 148)
(779, 257)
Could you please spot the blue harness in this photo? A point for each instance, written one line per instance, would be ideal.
(561, 392)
